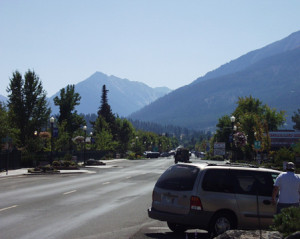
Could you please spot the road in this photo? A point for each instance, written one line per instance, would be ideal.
(110, 203)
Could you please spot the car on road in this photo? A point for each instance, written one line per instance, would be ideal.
(182, 155)
(150, 154)
(214, 197)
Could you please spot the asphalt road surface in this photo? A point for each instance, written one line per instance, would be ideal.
(110, 203)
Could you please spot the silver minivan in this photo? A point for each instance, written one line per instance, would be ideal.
(213, 197)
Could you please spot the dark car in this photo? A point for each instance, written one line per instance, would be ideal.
(182, 155)
(150, 154)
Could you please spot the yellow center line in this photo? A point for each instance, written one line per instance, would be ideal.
(70, 192)
(3, 209)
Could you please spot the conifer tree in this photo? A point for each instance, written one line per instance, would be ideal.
(105, 112)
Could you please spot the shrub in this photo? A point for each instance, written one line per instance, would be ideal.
(287, 222)
(283, 154)
(217, 158)
(131, 155)
(55, 163)
(67, 163)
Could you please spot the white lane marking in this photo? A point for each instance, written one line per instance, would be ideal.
(66, 193)
(128, 177)
(105, 183)
(3, 209)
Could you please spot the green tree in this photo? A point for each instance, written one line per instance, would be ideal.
(106, 112)
(27, 106)
(105, 109)
(5, 130)
(283, 154)
(256, 120)
(296, 120)
(63, 142)
(67, 102)
(224, 130)
(253, 119)
(126, 133)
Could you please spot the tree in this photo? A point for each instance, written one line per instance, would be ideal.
(5, 130)
(126, 133)
(106, 113)
(67, 102)
(254, 120)
(296, 120)
(27, 106)
(224, 130)
(105, 109)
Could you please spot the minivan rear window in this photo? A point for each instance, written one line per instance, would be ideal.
(178, 178)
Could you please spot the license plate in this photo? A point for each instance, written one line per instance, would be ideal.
(168, 200)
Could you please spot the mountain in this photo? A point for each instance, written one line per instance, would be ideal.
(3, 98)
(124, 96)
(289, 43)
(271, 74)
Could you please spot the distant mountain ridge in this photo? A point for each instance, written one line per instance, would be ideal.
(289, 43)
(271, 74)
(124, 96)
(3, 98)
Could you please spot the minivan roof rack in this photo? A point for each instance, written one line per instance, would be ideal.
(234, 165)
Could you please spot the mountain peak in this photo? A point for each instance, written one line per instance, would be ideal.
(125, 96)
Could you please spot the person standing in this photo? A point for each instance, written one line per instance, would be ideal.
(288, 186)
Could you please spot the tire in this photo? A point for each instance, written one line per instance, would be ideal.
(177, 228)
(220, 223)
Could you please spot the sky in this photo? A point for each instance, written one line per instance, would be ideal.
(158, 42)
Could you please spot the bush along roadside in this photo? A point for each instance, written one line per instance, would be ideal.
(288, 221)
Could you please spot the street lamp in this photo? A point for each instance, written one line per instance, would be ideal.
(232, 119)
(84, 129)
(91, 138)
(233, 128)
(51, 125)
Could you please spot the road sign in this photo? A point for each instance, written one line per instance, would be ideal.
(219, 145)
(257, 144)
(219, 151)
(219, 148)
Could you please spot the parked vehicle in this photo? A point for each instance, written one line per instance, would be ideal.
(182, 155)
(213, 197)
(150, 154)
(164, 154)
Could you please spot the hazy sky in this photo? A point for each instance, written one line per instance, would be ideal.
(157, 42)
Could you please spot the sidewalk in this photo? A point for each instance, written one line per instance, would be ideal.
(24, 171)
(86, 169)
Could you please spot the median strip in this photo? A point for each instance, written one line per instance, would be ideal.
(3, 209)
(70, 192)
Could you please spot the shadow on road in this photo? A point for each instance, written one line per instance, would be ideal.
(171, 235)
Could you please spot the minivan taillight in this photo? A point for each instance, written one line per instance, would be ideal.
(195, 203)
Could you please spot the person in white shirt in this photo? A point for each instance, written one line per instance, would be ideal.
(288, 186)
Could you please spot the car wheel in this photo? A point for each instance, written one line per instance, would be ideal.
(177, 228)
(220, 223)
